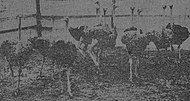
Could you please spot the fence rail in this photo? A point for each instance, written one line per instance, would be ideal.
(57, 17)
(47, 17)
(25, 28)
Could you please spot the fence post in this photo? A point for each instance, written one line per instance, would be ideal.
(19, 28)
(38, 19)
(113, 13)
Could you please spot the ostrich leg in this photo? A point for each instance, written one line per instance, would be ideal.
(179, 51)
(172, 48)
(166, 49)
(89, 50)
(79, 47)
(131, 72)
(136, 67)
(68, 73)
(98, 58)
(158, 49)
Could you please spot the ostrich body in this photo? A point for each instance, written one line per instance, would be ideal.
(161, 39)
(98, 36)
(179, 35)
(136, 42)
(65, 55)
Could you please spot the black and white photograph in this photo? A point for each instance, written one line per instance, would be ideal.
(94, 50)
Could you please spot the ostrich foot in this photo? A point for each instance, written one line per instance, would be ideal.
(136, 74)
(131, 79)
(70, 94)
(83, 54)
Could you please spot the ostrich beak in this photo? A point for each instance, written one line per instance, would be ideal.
(116, 7)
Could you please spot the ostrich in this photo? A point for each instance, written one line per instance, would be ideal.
(65, 55)
(98, 13)
(179, 33)
(95, 37)
(98, 37)
(114, 7)
(135, 42)
(105, 11)
(41, 46)
(161, 39)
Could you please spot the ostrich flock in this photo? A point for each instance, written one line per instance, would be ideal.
(93, 41)
(102, 37)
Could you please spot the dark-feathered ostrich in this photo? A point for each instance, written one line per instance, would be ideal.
(95, 37)
(100, 36)
(161, 38)
(41, 46)
(135, 42)
(64, 53)
(179, 33)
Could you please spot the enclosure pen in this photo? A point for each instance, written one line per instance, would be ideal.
(94, 50)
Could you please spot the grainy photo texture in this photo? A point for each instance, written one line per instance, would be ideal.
(94, 50)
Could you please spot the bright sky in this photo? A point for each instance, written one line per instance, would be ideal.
(82, 7)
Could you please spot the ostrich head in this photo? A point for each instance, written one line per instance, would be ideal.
(97, 3)
(169, 26)
(164, 7)
(139, 11)
(132, 8)
(113, 1)
(105, 10)
(67, 20)
(171, 6)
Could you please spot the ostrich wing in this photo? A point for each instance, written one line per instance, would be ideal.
(131, 29)
(180, 34)
(76, 33)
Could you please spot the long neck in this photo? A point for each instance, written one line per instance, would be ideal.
(104, 16)
(138, 21)
(171, 14)
(66, 29)
(164, 16)
(132, 17)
